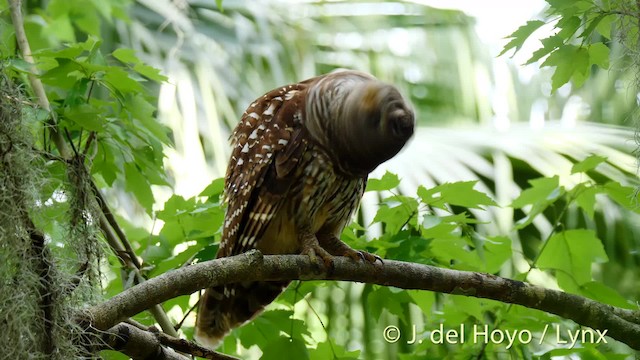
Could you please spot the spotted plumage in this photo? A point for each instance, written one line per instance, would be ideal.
(299, 164)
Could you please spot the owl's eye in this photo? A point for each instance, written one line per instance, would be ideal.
(400, 122)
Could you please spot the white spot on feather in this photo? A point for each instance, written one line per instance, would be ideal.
(245, 149)
(270, 110)
(289, 95)
(254, 115)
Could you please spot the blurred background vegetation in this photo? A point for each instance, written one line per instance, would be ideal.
(481, 117)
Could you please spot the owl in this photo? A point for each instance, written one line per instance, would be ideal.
(300, 159)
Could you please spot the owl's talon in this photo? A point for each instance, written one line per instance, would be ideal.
(312, 249)
(364, 256)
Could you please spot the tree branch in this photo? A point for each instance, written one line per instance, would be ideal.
(620, 324)
(137, 343)
(141, 342)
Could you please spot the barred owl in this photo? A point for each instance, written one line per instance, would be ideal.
(299, 165)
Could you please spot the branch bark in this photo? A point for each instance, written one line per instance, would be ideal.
(137, 343)
(620, 324)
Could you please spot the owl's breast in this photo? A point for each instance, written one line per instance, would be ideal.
(323, 202)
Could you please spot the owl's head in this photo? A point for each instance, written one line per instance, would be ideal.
(359, 120)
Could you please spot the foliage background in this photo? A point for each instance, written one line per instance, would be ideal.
(519, 138)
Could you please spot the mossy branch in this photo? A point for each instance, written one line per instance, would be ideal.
(620, 324)
(107, 221)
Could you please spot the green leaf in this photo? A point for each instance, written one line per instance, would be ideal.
(120, 82)
(572, 252)
(145, 124)
(298, 290)
(125, 55)
(153, 254)
(176, 261)
(586, 198)
(519, 36)
(601, 292)
(383, 298)
(569, 25)
(589, 163)
(387, 182)
(591, 25)
(330, 350)
(267, 329)
(541, 190)
(138, 185)
(103, 7)
(88, 21)
(497, 251)
(470, 306)
(294, 348)
(207, 253)
(59, 76)
(548, 45)
(86, 116)
(570, 61)
(605, 24)
(128, 56)
(175, 205)
(569, 7)
(455, 253)
(396, 216)
(149, 72)
(431, 221)
(423, 299)
(440, 230)
(624, 195)
(458, 193)
(214, 189)
(599, 55)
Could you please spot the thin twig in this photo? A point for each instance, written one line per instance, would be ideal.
(36, 84)
(113, 223)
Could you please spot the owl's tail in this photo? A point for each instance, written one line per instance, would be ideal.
(223, 308)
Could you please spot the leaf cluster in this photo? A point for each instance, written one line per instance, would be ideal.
(582, 31)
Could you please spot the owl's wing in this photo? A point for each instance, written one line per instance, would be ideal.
(267, 145)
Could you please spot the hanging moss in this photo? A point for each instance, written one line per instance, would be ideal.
(44, 279)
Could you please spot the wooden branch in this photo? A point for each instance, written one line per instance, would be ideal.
(620, 324)
(136, 343)
(140, 342)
